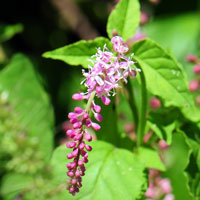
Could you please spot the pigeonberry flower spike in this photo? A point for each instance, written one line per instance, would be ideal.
(101, 80)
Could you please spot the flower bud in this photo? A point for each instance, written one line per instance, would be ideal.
(196, 69)
(96, 126)
(105, 100)
(193, 85)
(155, 103)
(77, 97)
(191, 58)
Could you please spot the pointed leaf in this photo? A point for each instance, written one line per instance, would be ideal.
(165, 78)
(124, 19)
(79, 52)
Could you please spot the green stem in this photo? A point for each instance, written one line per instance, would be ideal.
(142, 119)
(90, 101)
(132, 103)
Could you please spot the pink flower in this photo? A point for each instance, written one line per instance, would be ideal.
(101, 80)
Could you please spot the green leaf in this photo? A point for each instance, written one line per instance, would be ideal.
(165, 78)
(124, 19)
(79, 52)
(178, 33)
(111, 173)
(29, 101)
(176, 160)
(150, 158)
(13, 184)
(8, 31)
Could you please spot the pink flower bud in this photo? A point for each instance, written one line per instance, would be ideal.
(88, 137)
(72, 190)
(96, 126)
(71, 165)
(196, 69)
(162, 144)
(105, 100)
(70, 173)
(193, 85)
(97, 108)
(77, 173)
(70, 155)
(85, 160)
(80, 163)
(78, 110)
(71, 133)
(77, 97)
(98, 117)
(88, 147)
(74, 120)
(88, 123)
(84, 154)
(155, 103)
(72, 115)
(71, 144)
(81, 146)
(143, 18)
(191, 58)
(85, 116)
(74, 181)
(78, 137)
(75, 152)
(77, 125)
(169, 197)
(165, 185)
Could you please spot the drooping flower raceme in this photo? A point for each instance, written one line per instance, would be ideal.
(101, 80)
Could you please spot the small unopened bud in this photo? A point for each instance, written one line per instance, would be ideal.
(162, 144)
(77, 97)
(105, 100)
(70, 173)
(88, 147)
(155, 103)
(196, 69)
(143, 18)
(97, 108)
(88, 137)
(78, 110)
(96, 126)
(98, 117)
(191, 58)
(193, 85)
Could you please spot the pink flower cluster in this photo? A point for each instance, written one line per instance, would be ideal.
(158, 187)
(101, 81)
(194, 85)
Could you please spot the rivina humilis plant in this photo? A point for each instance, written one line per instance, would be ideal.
(149, 158)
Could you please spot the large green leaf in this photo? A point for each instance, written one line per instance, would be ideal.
(79, 52)
(176, 159)
(124, 19)
(164, 77)
(150, 158)
(8, 31)
(111, 173)
(179, 33)
(29, 101)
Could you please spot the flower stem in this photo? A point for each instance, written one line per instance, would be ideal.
(132, 103)
(142, 117)
(90, 101)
